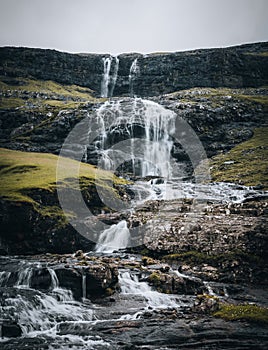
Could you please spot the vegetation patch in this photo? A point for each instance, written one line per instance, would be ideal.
(197, 258)
(218, 97)
(42, 94)
(155, 279)
(246, 164)
(245, 312)
(29, 177)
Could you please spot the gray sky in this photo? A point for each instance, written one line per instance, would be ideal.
(116, 26)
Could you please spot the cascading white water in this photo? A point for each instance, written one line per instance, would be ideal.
(133, 72)
(24, 278)
(114, 238)
(120, 118)
(84, 286)
(4, 277)
(130, 284)
(114, 76)
(109, 81)
(106, 76)
(39, 313)
(54, 279)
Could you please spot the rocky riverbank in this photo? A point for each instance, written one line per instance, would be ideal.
(189, 314)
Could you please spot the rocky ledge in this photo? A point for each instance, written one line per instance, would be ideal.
(225, 243)
(157, 73)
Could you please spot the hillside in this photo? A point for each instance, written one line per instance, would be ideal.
(151, 75)
(30, 212)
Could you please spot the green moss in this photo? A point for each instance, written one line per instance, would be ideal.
(146, 260)
(263, 100)
(109, 292)
(246, 163)
(247, 312)
(11, 102)
(54, 213)
(154, 278)
(197, 258)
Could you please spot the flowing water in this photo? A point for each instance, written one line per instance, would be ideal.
(138, 133)
(133, 73)
(114, 238)
(110, 72)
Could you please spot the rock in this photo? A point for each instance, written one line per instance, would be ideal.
(98, 278)
(158, 73)
(10, 329)
(228, 244)
(41, 279)
(169, 283)
(206, 304)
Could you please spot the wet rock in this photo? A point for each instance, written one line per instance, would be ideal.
(170, 283)
(94, 278)
(206, 304)
(41, 279)
(9, 329)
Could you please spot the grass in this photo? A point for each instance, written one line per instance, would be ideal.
(42, 93)
(249, 162)
(261, 54)
(22, 173)
(217, 97)
(47, 87)
(11, 102)
(245, 312)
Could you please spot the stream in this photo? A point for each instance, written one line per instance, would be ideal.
(41, 308)
(50, 317)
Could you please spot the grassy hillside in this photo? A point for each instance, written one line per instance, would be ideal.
(247, 163)
(23, 174)
(39, 94)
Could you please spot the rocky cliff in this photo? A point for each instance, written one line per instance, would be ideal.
(143, 75)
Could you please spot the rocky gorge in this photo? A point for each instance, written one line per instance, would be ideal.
(181, 259)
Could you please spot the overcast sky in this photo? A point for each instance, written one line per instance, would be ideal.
(116, 26)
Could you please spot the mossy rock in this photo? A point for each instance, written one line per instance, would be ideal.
(245, 312)
(246, 163)
(198, 258)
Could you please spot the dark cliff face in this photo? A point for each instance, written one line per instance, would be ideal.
(155, 74)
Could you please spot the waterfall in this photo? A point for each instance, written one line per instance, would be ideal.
(106, 76)
(114, 238)
(24, 278)
(54, 279)
(4, 277)
(130, 284)
(133, 72)
(146, 125)
(114, 76)
(84, 285)
(109, 81)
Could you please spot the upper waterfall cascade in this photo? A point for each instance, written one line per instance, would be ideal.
(110, 72)
(133, 73)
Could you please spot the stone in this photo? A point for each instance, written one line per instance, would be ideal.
(10, 330)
